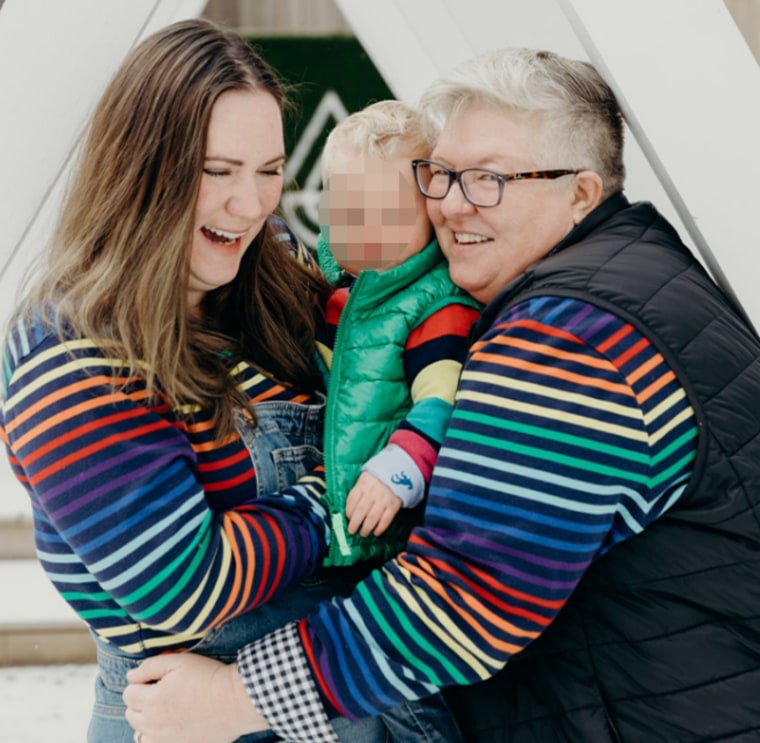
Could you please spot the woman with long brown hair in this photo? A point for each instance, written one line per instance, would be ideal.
(159, 380)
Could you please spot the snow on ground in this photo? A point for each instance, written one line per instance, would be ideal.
(39, 704)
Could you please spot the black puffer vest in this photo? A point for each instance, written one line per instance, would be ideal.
(661, 639)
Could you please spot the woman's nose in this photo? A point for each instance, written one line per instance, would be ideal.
(454, 202)
(245, 201)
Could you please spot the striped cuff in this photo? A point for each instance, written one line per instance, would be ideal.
(279, 682)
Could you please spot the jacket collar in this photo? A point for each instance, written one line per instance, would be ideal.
(591, 221)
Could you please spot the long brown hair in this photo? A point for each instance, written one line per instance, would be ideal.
(118, 265)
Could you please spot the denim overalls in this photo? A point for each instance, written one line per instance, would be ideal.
(284, 444)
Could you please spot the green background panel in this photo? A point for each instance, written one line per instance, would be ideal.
(317, 64)
(314, 66)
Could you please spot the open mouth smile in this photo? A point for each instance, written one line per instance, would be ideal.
(468, 238)
(222, 237)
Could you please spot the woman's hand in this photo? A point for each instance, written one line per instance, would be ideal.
(189, 698)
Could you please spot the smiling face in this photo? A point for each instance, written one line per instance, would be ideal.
(240, 187)
(488, 247)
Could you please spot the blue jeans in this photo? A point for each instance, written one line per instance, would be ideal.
(426, 720)
(285, 443)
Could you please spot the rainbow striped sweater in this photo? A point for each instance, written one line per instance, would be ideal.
(570, 433)
(130, 499)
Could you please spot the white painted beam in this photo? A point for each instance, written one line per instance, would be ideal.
(395, 45)
(412, 42)
(55, 59)
(690, 90)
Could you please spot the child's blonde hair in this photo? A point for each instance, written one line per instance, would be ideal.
(386, 129)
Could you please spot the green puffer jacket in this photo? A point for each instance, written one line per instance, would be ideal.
(368, 395)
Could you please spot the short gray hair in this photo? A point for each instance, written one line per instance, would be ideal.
(580, 118)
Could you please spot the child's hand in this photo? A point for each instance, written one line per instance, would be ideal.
(371, 506)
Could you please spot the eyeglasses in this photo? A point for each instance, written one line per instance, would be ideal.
(481, 187)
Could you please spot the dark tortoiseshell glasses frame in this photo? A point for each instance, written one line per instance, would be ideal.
(470, 178)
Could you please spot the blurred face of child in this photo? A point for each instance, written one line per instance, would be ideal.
(375, 214)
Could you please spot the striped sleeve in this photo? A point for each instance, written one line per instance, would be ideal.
(124, 530)
(433, 357)
(570, 433)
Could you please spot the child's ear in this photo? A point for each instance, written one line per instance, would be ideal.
(587, 193)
